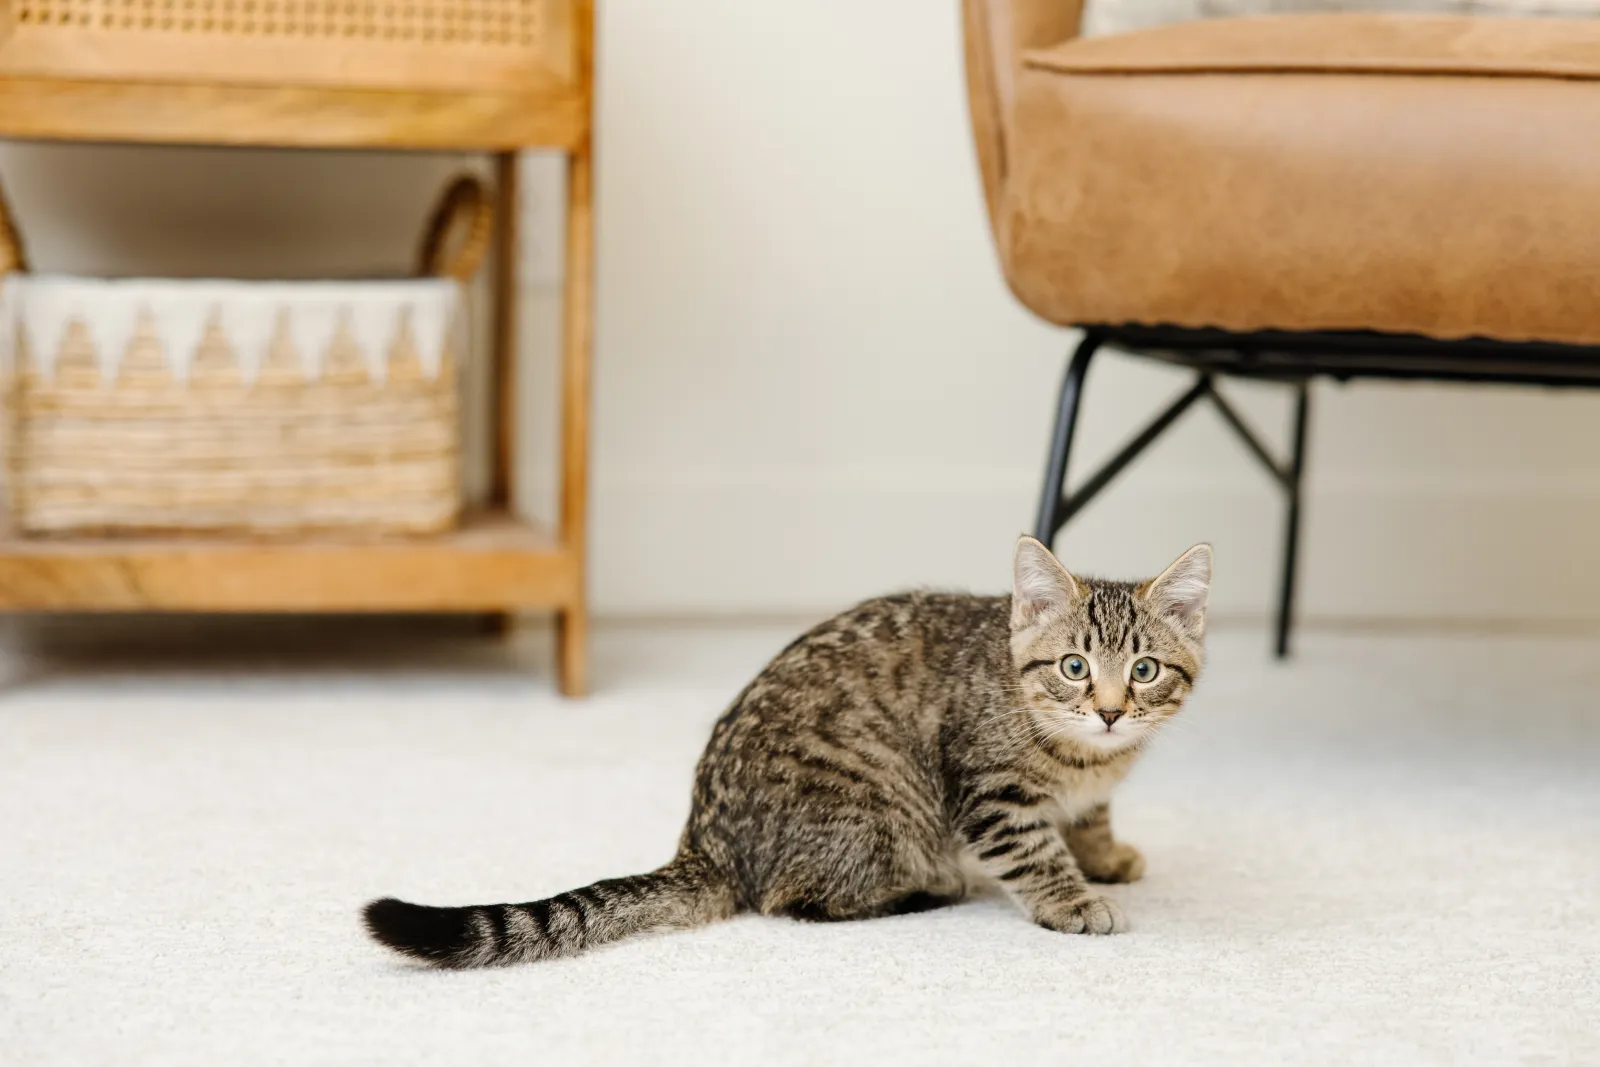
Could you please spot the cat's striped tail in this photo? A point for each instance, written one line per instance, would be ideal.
(685, 893)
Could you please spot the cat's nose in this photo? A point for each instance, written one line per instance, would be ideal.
(1110, 715)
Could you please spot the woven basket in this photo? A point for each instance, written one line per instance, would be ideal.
(147, 405)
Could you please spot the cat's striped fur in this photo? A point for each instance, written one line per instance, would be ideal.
(896, 758)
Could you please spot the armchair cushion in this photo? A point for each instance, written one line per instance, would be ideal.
(1411, 174)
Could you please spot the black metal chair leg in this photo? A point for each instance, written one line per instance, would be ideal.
(1049, 519)
(1291, 542)
(1056, 506)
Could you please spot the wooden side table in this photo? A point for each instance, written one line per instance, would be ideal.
(492, 76)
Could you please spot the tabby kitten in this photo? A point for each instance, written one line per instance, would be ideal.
(899, 757)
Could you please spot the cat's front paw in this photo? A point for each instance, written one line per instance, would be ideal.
(1085, 915)
(1122, 863)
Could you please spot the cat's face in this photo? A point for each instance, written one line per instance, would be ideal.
(1101, 665)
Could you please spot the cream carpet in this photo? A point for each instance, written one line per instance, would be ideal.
(1386, 853)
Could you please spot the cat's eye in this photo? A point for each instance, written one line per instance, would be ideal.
(1145, 670)
(1076, 668)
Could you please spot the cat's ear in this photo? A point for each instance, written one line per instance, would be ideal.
(1179, 594)
(1039, 583)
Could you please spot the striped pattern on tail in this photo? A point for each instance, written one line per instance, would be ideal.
(687, 892)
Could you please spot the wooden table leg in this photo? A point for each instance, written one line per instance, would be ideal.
(573, 624)
(505, 297)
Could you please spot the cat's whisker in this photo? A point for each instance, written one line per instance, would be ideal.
(1178, 725)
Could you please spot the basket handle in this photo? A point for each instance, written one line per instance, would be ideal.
(466, 206)
(13, 256)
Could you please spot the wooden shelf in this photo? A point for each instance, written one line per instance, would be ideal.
(491, 563)
(170, 95)
(289, 117)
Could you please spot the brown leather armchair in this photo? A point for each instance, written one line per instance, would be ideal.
(1288, 197)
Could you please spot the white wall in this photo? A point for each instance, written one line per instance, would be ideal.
(811, 383)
